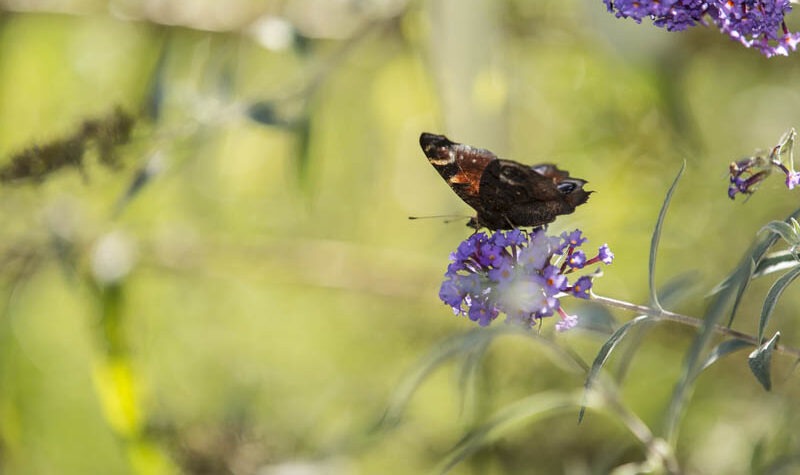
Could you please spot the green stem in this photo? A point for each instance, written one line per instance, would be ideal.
(691, 321)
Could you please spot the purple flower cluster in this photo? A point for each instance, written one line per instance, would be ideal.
(517, 273)
(747, 173)
(754, 23)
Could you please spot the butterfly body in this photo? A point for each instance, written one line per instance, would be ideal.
(505, 194)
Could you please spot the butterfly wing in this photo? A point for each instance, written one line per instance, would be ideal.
(514, 195)
(460, 165)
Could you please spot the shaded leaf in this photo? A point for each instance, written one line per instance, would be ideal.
(657, 237)
(772, 299)
(724, 349)
(760, 359)
(605, 352)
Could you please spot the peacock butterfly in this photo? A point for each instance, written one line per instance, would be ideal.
(505, 194)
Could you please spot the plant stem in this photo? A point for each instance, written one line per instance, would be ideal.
(691, 321)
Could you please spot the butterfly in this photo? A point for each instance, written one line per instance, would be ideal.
(505, 194)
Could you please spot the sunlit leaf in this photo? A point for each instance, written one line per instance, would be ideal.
(657, 237)
(784, 230)
(776, 262)
(724, 349)
(772, 299)
(760, 359)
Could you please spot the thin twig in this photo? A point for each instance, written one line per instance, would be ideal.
(691, 321)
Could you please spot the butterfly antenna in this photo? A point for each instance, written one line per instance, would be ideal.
(448, 218)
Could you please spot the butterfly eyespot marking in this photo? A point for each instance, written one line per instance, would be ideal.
(506, 194)
(567, 186)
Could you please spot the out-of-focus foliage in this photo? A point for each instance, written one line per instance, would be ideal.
(229, 283)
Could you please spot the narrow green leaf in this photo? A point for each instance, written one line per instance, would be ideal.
(741, 278)
(605, 352)
(784, 230)
(632, 344)
(776, 262)
(724, 349)
(772, 299)
(657, 237)
(760, 359)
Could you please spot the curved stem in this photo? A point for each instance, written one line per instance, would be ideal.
(691, 321)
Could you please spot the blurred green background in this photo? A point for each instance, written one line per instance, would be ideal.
(254, 306)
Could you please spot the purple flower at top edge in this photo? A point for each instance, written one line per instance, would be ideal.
(754, 23)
